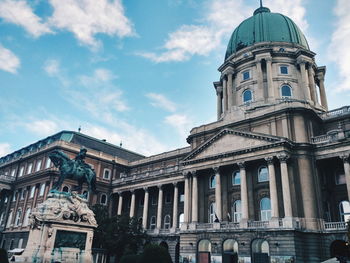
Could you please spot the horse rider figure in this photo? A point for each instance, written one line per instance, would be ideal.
(79, 159)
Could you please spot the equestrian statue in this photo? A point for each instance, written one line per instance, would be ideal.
(75, 169)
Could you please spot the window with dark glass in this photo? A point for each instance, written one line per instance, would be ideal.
(286, 91)
(265, 209)
(263, 174)
(212, 182)
(340, 178)
(246, 75)
(284, 70)
(247, 96)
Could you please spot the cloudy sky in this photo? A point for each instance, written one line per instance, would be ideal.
(137, 71)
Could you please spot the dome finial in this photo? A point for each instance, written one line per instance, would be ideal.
(261, 5)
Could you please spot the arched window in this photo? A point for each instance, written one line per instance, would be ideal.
(263, 174)
(167, 222)
(247, 96)
(103, 199)
(152, 224)
(9, 219)
(236, 178)
(181, 219)
(286, 91)
(230, 246)
(344, 209)
(265, 209)
(18, 217)
(204, 246)
(42, 190)
(26, 217)
(212, 213)
(65, 189)
(212, 182)
(260, 246)
(86, 194)
(237, 211)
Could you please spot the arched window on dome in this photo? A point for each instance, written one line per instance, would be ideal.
(247, 96)
(286, 91)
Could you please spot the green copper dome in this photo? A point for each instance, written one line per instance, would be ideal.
(265, 26)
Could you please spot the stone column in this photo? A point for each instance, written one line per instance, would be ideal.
(224, 94)
(271, 89)
(187, 194)
(218, 197)
(347, 173)
(160, 207)
(175, 204)
(273, 187)
(145, 209)
(260, 76)
(219, 102)
(194, 197)
(120, 204)
(322, 91)
(287, 201)
(244, 191)
(306, 89)
(229, 90)
(312, 84)
(132, 204)
(35, 199)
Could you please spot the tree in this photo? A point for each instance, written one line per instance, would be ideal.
(119, 235)
(155, 253)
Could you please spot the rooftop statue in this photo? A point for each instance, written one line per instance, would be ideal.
(75, 169)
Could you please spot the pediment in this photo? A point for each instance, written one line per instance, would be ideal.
(230, 141)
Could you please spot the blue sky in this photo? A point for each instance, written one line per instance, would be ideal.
(137, 71)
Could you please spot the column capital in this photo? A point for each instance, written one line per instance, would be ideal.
(302, 61)
(218, 90)
(132, 191)
(194, 173)
(345, 158)
(120, 193)
(176, 184)
(160, 187)
(241, 165)
(185, 174)
(216, 169)
(283, 157)
(269, 159)
(268, 59)
(145, 188)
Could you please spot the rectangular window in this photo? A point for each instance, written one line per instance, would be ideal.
(284, 70)
(29, 168)
(13, 172)
(38, 166)
(106, 174)
(246, 75)
(48, 163)
(21, 171)
(168, 198)
(340, 178)
(154, 200)
(182, 198)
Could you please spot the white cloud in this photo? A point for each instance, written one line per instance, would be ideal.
(42, 127)
(181, 123)
(5, 148)
(52, 67)
(86, 18)
(20, 13)
(8, 61)
(339, 47)
(220, 18)
(160, 101)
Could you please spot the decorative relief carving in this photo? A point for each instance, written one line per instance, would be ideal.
(269, 160)
(61, 206)
(283, 157)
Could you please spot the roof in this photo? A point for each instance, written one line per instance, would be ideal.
(265, 26)
(76, 138)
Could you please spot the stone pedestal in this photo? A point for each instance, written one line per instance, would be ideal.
(61, 230)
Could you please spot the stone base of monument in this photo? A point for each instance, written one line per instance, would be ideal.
(61, 230)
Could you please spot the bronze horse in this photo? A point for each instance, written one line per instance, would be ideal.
(72, 169)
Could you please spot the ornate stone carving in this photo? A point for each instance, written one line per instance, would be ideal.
(345, 158)
(63, 207)
(269, 160)
(216, 169)
(241, 165)
(283, 157)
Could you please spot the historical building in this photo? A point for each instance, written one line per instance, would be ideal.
(269, 181)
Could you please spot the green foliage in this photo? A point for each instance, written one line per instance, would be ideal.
(130, 259)
(155, 253)
(119, 235)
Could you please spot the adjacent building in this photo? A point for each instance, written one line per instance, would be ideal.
(269, 181)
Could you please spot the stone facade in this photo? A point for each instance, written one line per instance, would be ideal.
(269, 180)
